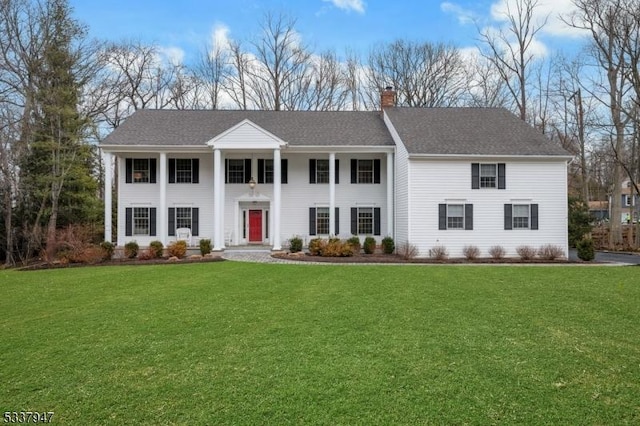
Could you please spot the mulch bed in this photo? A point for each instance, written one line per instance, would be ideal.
(394, 258)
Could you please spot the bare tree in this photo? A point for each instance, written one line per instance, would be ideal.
(212, 69)
(236, 84)
(424, 74)
(281, 63)
(607, 23)
(485, 88)
(509, 49)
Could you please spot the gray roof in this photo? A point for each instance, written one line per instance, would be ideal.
(474, 131)
(298, 128)
(436, 131)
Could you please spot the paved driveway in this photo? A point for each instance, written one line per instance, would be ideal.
(611, 257)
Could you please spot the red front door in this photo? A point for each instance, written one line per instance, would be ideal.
(255, 226)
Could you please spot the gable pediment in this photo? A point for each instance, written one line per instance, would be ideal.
(246, 135)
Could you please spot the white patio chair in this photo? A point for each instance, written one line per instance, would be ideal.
(184, 234)
(228, 237)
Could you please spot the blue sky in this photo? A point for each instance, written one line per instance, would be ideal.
(183, 27)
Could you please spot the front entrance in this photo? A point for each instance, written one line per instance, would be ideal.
(255, 226)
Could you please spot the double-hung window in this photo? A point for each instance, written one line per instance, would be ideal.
(319, 171)
(140, 170)
(365, 171)
(521, 216)
(365, 220)
(140, 221)
(455, 216)
(266, 170)
(183, 217)
(237, 170)
(319, 221)
(488, 175)
(184, 170)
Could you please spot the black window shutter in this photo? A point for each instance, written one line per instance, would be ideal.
(376, 171)
(312, 171)
(172, 170)
(337, 180)
(508, 216)
(129, 170)
(502, 182)
(312, 221)
(337, 221)
(152, 221)
(195, 170)
(284, 170)
(128, 223)
(442, 216)
(171, 225)
(354, 220)
(260, 170)
(152, 170)
(475, 175)
(247, 170)
(226, 170)
(195, 221)
(468, 217)
(534, 216)
(354, 170)
(376, 221)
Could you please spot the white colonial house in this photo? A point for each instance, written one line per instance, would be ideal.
(424, 176)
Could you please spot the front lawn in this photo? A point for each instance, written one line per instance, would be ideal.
(236, 343)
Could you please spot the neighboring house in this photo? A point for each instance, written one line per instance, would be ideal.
(629, 203)
(599, 210)
(425, 176)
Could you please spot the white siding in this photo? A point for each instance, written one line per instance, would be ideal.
(178, 195)
(432, 182)
(298, 195)
(401, 187)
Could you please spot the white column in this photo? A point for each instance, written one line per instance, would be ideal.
(222, 198)
(390, 198)
(162, 214)
(218, 236)
(108, 182)
(332, 193)
(277, 186)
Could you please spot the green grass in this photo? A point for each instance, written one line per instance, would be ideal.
(234, 343)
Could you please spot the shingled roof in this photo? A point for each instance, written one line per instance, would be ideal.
(297, 128)
(435, 131)
(469, 131)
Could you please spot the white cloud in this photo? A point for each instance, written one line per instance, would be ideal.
(173, 55)
(551, 10)
(464, 16)
(348, 5)
(220, 36)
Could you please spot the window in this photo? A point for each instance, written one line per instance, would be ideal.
(365, 171)
(140, 170)
(319, 171)
(265, 170)
(455, 216)
(365, 220)
(488, 175)
(237, 170)
(183, 217)
(626, 200)
(140, 221)
(184, 170)
(322, 221)
(521, 216)
(319, 221)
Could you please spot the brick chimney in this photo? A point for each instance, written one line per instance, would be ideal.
(387, 98)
